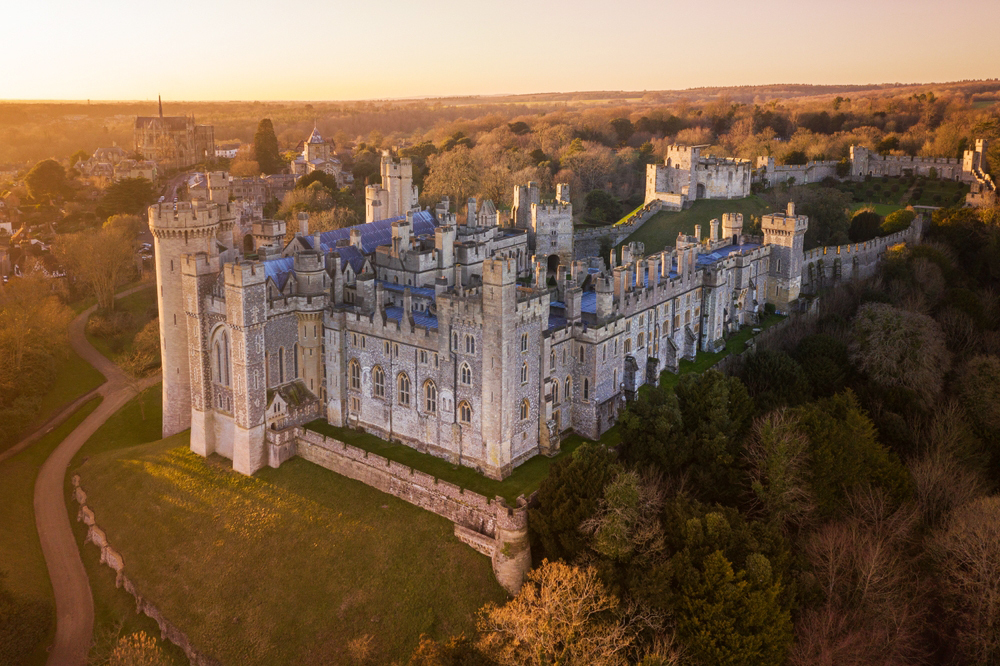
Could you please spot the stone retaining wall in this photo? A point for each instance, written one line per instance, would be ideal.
(489, 526)
(114, 560)
(587, 242)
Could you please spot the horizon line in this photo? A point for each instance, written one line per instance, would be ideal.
(416, 98)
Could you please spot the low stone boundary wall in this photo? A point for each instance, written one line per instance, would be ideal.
(587, 242)
(489, 526)
(114, 560)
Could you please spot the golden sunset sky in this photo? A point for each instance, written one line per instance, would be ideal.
(328, 50)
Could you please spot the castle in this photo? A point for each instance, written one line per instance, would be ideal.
(479, 343)
(173, 142)
(317, 155)
(686, 176)
(397, 193)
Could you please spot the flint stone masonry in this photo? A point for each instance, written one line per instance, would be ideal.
(489, 526)
(113, 559)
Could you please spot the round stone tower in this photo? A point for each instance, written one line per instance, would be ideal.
(178, 230)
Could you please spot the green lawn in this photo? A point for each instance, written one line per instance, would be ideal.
(523, 481)
(288, 566)
(21, 557)
(114, 608)
(889, 194)
(141, 306)
(661, 230)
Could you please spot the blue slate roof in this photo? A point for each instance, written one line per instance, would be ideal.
(373, 234)
(588, 302)
(278, 270)
(723, 252)
(423, 292)
(395, 313)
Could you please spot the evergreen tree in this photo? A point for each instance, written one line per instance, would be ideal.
(265, 147)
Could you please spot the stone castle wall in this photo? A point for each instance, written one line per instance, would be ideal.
(826, 266)
(489, 526)
(587, 242)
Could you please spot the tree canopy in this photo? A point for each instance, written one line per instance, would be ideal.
(265, 148)
(129, 196)
(46, 181)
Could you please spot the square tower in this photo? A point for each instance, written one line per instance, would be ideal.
(785, 234)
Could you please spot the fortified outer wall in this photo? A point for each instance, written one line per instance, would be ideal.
(826, 266)
(489, 526)
(587, 242)
(771, 174)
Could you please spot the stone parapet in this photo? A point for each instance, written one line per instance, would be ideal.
(479, 522)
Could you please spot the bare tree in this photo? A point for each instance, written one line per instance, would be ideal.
(967, 551)
(103, 259)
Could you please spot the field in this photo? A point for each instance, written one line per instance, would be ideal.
(294, 565)
(523, 481)
(661, 230)
(21, 559)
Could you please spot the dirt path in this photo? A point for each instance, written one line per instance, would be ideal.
(74, 603)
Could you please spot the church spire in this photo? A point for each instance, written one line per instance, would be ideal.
(160, 100)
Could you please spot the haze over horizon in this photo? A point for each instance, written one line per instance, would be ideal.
(227, 50)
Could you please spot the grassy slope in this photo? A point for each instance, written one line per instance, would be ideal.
(662, 229)
(20, 551)
(524, 480)
(285, 567)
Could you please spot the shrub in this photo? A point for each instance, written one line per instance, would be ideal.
(897, 221)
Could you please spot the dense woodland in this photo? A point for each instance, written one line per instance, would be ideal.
(832, 501)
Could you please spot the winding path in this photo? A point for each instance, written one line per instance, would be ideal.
(74, 603)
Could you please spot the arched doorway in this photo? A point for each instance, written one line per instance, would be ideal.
(700, 191)
(553, 264)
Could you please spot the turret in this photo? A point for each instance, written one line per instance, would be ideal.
(178, 230)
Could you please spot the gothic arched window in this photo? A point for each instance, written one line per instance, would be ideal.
(403, 389)
(354, 372)
(378, 380)
(430, 397)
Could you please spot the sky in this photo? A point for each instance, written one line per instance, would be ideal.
(335, 50)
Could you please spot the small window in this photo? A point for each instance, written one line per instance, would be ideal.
(430, 397)
(628, 345)
(385, 346)
(466, 374)
(586, 389)
(581, 353)
(524, 373)
(464, 412)
(423, 356)
(525, 409)
(470, 344)
(403, 389)
(524, 342)
(454, 341)
(355, 404)
(378, 378)
(354, 370)
(395, 350)
(555, 393)
(642, 340)
(552, 361)
(569, 389)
